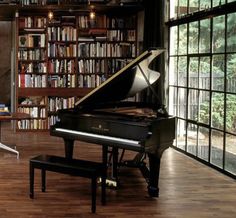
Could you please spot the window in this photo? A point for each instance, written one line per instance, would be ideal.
(202, 80)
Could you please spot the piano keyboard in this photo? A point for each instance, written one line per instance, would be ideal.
(111, 139)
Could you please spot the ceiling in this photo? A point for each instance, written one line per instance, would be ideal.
(8, 11)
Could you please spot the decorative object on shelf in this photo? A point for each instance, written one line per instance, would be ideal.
(4, 111)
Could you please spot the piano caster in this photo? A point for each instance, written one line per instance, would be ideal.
(153, 191)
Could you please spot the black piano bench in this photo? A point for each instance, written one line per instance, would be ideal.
(87, 169)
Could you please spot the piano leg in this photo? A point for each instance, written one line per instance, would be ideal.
(69, 146)
(114, 173)
(154, 170)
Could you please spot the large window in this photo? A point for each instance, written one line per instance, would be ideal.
(202, 80)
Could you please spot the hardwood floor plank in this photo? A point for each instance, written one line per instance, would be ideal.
(188, 189)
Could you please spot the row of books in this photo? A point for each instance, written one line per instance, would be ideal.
(32, 67)
(32, 2)
(95, 49)
(61, 66)
(101, 49)
(34, 54)
(121, 50)
(114, 65)
(32, 124)
(121, 23)
(91, 66)
(56, 103)
(52, 120)
(62, 81)
(32, 22)
(50, 2)
(90, 81)
(65, 33)
(32, 81)
(34, 112)
(85, 22)
(121, 35)
(61, 50)
(32, 40)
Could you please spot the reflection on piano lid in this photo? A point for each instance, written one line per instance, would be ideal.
(133, 78)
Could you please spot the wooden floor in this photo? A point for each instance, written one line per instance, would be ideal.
(188, 189)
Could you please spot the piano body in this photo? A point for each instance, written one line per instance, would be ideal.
(103, 117)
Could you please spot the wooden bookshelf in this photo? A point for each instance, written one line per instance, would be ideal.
(61, 60)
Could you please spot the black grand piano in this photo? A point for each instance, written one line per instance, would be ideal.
(105, 117)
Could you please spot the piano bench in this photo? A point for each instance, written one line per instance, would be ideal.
(82, 168)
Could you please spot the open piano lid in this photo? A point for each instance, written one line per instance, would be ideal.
(125, 83)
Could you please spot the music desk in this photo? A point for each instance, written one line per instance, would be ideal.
(12, 116)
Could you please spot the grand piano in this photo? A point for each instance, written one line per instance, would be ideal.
(105, 117)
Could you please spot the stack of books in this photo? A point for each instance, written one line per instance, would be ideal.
(4, 110)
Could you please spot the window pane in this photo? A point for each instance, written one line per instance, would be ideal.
(218, 41)
(173, 8)
(217, 113)
(204, 107)
(193, 72)
(193, 37)
(193, 6)
(231, 113)
(182, 101)
(217, 148)
(231, 73)
(205, 4)
(230, 153)
(231, 30)
(218, 68)
(217, 2)
(183, 9)
(205, 36)
(193, 105)
(192, 139)
(173, 40)
(181, 134)
(173, 71)
(182, 71)
(183, 39)
(173, 101)
(204, 73)
(203, 143)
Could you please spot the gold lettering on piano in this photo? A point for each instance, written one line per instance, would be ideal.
(99, 128)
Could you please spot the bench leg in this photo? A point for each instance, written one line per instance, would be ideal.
(43, 177)
(103, 190)
(31, 181)
(104, 176)
(94, 190)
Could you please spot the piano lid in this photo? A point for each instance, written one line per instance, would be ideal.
(126, 82)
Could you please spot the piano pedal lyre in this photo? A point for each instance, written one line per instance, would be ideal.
(113, 164)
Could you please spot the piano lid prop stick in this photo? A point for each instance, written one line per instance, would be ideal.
(162, 109)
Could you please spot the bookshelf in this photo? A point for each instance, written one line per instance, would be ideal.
(61, 60)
